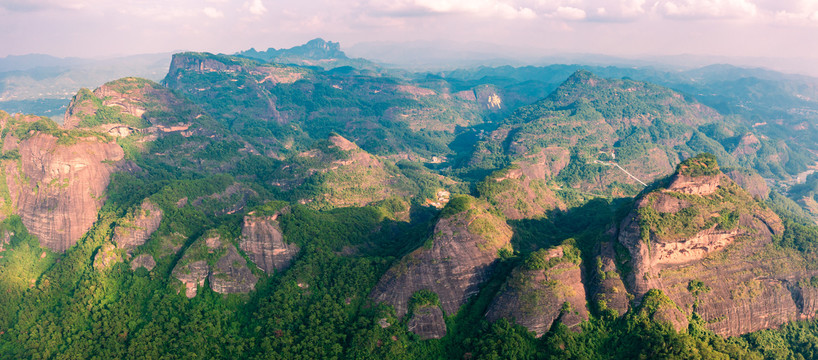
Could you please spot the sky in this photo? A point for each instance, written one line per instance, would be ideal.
(92, 28)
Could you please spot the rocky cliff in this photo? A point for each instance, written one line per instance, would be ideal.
(262, 241)
(427, 322)
(519, 192)
(217, 260)
(59, 185)
(708, 245)
(128, 105)
(138, 226)
(548, 287)
(453, 263)
(608, 291)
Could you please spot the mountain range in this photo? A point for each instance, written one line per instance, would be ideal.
(299, 204)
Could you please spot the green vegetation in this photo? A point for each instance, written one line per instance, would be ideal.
(255, 139)
(540, 260)
(804, 238)
(457, 204)
(422, 298)
(703, 164)
(697, 287)
(722, 208)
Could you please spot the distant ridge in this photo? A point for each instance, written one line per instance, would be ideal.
(315, 49)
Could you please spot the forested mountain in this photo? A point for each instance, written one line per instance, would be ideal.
(261, 206)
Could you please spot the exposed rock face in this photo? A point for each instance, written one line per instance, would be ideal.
(106, 257)
(488, 98)
(519, 196)
(752, 182)
(455, 261)
(263, 243)
(191, 62)
(609, 290)
(232, 200)
(144, 260)
(427, 322)
(701, 185)
(537, 297)
(192, 275)
(58, 190)
(133, 101)
(545, 164)
(655, 249)
(230, 275)
(135, 230)
(715, 251)
(212, 258)
(659, 308)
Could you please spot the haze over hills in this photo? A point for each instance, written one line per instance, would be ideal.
(299, 204)
(43, 85)
(39, 84)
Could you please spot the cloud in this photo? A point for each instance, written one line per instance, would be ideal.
(570, 13)
(617, 10)
(159, 12)
(255, 7)
(698, 9)
(504, 9)
(212, 13)
(803, 12)
(40, 5)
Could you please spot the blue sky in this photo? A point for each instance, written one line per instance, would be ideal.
(87, 28)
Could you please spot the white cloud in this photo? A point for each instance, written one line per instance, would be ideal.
(212, 13)
(255, 7)
(803, 12)
(505, 9)
(570, 13)
(732, 9)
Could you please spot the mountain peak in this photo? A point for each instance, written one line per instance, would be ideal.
(319, 43)
(704, 164)
(315, 49)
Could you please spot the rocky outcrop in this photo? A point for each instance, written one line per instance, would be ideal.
(192, 275)
(548, 287)
(106, 257)
(666, 229)
(144, 260)
(230, 275)
(519, 196)
(427, 322)
(659, 308)
(701, 185)
(218, 261)
(751, 182)
(134, 230)
(454, 262)
(712, 253)
(262, 241)
(202, 63)
(58, 188)
(608, 290)
(488, 97)
(124, 106)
